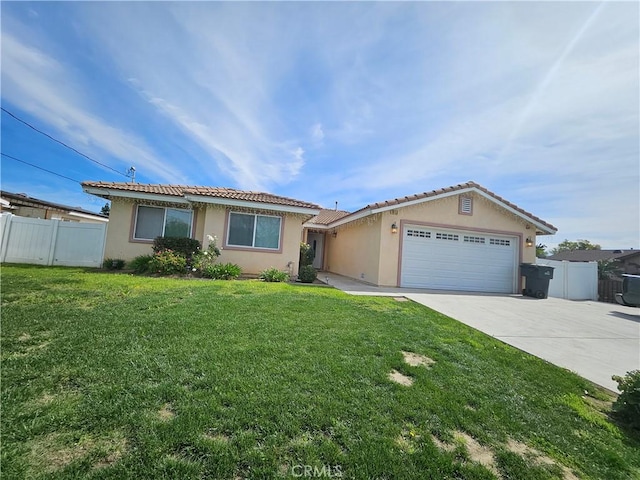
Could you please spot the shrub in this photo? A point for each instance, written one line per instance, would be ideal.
(307, 274)
(168, 262)
(306, 254)
(113, 264)
(222, 271)
(181, 245)
(273, 275)
(204, 260)
(627, 406)
(140, 264)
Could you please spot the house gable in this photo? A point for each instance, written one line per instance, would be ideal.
(466, 190)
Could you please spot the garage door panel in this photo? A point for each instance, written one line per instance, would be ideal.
(454, 260)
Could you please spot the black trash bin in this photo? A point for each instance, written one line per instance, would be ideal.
(536, 280)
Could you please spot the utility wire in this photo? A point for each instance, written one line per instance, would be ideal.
(39, 168)
(62, 143)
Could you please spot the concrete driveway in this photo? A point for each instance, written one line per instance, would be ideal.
(595, 340)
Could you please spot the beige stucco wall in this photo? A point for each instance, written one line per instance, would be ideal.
(254, 261)
(209, 220)
(119, 244)
(355, 250)
(369, 247)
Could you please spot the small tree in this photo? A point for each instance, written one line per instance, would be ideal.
(105, 210)
(609, 269)
(306, 254)
(569, 246)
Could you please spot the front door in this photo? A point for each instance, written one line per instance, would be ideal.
(316, 240)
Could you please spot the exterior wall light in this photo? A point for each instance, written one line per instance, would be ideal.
(529, 242)
(394, 228)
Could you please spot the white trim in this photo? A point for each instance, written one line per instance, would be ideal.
(86, 215)
(249, 204)
(105, 192)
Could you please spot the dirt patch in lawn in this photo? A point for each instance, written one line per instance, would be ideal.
(25, 337)
(396, 376)
(447, 447)
(417, 360)
(540, 458)
(113, 448)
(477, 453)
(166, 413)
(53, 452)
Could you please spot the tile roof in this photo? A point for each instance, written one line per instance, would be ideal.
(592, 255)
(216, 192)
(461, 186)
(325, 217)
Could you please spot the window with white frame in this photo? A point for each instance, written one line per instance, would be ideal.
(254, 231)
(152, 222)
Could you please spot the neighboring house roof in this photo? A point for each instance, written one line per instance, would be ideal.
(189, 194)
(541, 226)
(21, 199)
(593, 255)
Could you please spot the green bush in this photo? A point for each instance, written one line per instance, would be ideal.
(168, 262)
(306, 254)
(203, 260)
(222, 271)
(627, 406)
(307, 274)
(273, 275)
(181, 245)
(113, 264)
(140, 264)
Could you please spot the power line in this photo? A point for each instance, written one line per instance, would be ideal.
(39, 168)
(62, 143)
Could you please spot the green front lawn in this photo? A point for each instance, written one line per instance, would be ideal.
(115, 376)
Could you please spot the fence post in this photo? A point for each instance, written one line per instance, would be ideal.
(52, 245)
(5, 230)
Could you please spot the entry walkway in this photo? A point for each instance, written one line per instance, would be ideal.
(596, 340)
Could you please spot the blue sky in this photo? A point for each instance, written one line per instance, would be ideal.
(348, 102)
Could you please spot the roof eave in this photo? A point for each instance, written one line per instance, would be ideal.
(108, 193)
(232, 202)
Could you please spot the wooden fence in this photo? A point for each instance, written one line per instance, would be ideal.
(607, 289)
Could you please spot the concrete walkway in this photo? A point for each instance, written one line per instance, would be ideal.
(595, 340)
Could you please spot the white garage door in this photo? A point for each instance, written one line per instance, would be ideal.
(458, 260)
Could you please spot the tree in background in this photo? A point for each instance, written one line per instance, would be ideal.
(105, 210)
(568, 246)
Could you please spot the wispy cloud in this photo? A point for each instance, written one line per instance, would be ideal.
(37, 83)
(348, 101)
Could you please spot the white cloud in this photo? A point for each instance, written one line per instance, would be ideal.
(215, 86)
(37, 83)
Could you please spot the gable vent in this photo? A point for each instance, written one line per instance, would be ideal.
(466, 206)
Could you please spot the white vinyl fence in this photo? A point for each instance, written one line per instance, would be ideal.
(572, 280)
(51, 242)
